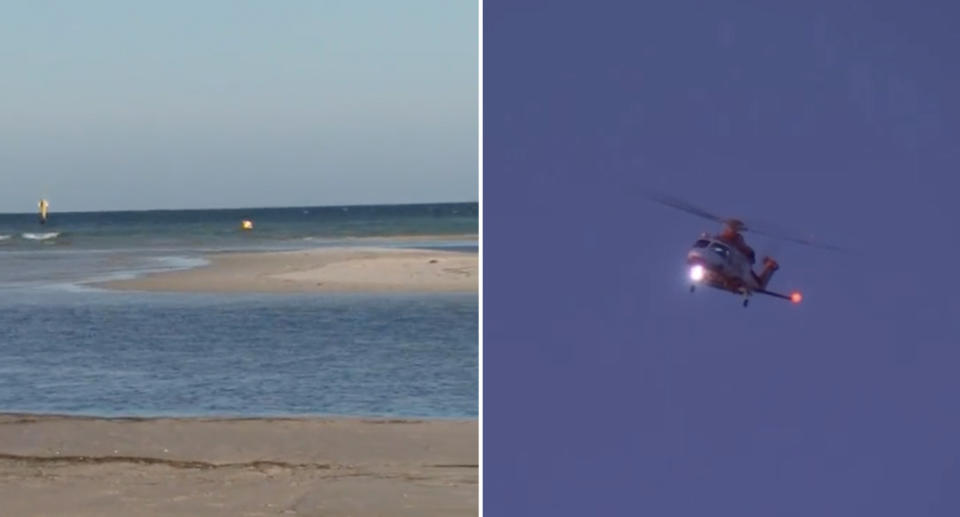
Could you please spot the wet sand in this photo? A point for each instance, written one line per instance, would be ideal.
(78, 466)
(321, 270)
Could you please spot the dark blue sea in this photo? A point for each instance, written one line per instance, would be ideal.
(67, 347)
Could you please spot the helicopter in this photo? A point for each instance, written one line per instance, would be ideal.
(724, 261)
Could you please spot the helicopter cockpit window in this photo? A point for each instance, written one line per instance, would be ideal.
(720, 249)
(702, 243)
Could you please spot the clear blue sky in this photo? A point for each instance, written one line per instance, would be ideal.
(611, 390)
(115, 104)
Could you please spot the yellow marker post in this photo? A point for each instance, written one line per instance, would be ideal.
(43, 204)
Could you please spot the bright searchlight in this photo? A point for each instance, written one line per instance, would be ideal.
(696, 273)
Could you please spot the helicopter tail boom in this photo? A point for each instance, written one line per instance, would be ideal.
(794, 297)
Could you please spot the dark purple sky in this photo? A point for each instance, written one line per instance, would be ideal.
(609, 389)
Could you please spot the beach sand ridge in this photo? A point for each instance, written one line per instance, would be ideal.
(52, 465)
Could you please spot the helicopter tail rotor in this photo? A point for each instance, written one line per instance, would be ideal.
(770, 266)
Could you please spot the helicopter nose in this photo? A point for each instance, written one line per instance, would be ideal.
(708, 260)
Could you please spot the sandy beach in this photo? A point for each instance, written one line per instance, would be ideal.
(78, 466)
(320, 270)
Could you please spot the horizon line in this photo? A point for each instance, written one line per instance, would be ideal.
(262, 207)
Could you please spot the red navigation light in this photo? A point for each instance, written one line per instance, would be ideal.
(796, 297)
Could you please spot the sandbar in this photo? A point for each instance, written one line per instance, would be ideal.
(85, 466)
(320, 270)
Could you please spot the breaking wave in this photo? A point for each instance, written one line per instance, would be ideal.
(40, 236)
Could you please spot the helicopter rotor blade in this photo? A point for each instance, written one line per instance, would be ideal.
(684, 206)
(743, 226)
(782, 235)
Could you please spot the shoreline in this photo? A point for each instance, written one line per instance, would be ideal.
(11, 416)
(225, 417)
(327, 270)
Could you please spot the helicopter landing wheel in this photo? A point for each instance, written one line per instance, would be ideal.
(693, 288)
(746, 301)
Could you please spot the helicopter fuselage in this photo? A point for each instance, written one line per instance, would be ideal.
(727, 264)
(716, 263)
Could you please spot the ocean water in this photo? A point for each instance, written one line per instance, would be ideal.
(66, 347)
